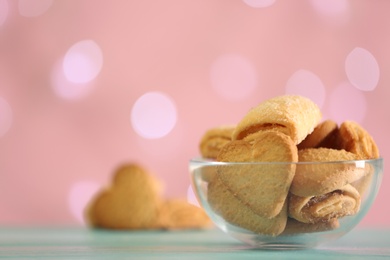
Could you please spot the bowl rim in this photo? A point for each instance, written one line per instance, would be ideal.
(211, 162)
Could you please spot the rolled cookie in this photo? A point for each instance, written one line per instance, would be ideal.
(322, 176)
(293, 115)
(262, 186)
(225, 204)
(322, 208)
(322, 136)
(214, 139)
(355, 139)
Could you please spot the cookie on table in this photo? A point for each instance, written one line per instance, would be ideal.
(132, 201)
(179, 214)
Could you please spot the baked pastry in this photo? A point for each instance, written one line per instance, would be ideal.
(262, 187)
(132, 201)
(293, 115)
(342, 202)
(355, 139)
(321, 178)
(296, 227)
(214, 139)
(179, 214)
(323, 135)
(224, 203)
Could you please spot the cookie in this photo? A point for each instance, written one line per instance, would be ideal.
(214, 139)
(323, 135)
(179, 214)
(225, 204)
(293, 115)
(355, 139)
(132, 201)
(296, 227)
(263, 187)
(321, 178)
(322, 208)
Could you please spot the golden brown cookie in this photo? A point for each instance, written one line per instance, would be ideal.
(321, 136)
(320, 178)
(214, 139)
(293, 115)
(296, 227)
(263, 187)
(225, 204)
(314, 209)
(131, 202)
(355, 139)
(179, 214)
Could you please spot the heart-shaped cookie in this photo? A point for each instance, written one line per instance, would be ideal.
(131, 202)
(264, 186)
(223, 202)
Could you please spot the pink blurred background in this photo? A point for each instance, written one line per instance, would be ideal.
(86, 85)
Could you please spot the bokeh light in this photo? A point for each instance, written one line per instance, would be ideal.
(330, 7)
(79, 196)
(233, 77)
(308, 84)
(259, 3)
(83, 62)
(347, 103)
(65, 89)
(33, 8)
(5, 117)
(3, 11)
(362, 69)
(153, 115)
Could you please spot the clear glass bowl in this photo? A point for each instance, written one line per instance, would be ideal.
(232, 193)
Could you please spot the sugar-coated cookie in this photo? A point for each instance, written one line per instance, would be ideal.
(293, 115)
(321, 178)
(314, 209)
(262, 187)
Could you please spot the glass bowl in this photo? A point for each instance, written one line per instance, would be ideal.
(253, 201)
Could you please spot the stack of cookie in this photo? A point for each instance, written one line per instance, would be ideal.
(134, 201)
(289, 197)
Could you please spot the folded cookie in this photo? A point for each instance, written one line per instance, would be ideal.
(354, 138)
(179, 214)
(322, 208)
(322, 177)
(262, 186)
(225, 204)
(214, 139)
(132, 201)
(293, 115)
(323, 135)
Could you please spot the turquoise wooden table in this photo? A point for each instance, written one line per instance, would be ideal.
(82, 243)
